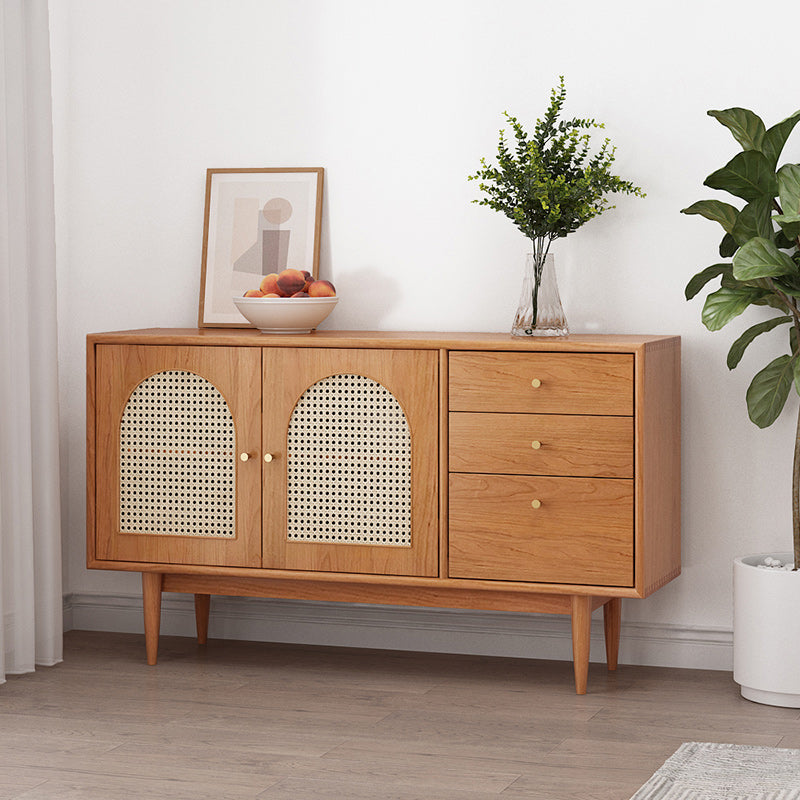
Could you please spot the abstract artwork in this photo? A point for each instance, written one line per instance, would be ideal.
(257, 221)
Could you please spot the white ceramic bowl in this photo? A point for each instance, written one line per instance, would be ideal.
(285, 314)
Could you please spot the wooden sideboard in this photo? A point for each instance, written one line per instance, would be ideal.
(479, 471)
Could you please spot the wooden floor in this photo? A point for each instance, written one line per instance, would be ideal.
(253, 720)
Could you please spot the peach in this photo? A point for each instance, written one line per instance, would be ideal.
(300, 294)
(273, 294)
(322, 289)
(269, 283)
(253, 293)
(290, 281)
(309, 279)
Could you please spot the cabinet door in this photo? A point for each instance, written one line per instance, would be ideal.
(350, 484)
(172, 426)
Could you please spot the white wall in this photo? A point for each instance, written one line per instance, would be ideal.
(398, 101)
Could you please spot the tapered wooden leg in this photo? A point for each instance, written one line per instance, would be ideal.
(581, 639)
(612, 623)
(151, 597)
(202, 606)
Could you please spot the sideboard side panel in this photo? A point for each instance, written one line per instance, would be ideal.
(658, 456)
(91, 453)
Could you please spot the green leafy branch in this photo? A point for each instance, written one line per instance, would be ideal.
(549, 185)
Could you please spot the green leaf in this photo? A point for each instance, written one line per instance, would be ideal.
(786, 218)
(796, 371)
(703, 277)
(787, 288)
(759, 258)
(740, 345)
(789, 188)
(790, 225)
(747, 127)
(766, 395)
(725, 304)
(775, 138)
(747, 175)
(728, 246)
(769, 298)
(729, 282)
(754, 220)
(716, 211)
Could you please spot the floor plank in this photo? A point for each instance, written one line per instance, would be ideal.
(244, 720)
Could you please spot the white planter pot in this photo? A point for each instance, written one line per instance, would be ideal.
(766, 631)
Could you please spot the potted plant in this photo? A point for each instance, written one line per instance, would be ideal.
(548, 186)
(762, 243)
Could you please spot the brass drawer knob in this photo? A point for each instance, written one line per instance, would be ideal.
(244, 457)
(536, 444)
(267, 457)
(536, 503)
(536, 383)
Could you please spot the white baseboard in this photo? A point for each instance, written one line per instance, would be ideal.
(489, 633)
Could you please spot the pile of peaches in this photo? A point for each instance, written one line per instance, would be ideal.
(292, 283)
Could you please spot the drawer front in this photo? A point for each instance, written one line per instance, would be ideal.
(545, 383)
(541, 444)
(580, 533)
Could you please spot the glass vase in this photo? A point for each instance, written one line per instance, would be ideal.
(540, 312)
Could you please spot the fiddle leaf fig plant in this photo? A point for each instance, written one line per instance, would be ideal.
(762, 240)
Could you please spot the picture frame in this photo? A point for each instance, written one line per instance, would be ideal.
(257, 221)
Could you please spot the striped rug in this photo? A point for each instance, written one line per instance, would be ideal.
(703, 771)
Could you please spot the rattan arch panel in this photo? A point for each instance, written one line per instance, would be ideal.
(177, 459)
(349, 465)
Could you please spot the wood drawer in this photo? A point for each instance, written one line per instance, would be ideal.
(568, 383)
(541, 444)
(582, 533)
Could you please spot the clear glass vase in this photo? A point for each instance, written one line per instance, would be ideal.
(540, 312)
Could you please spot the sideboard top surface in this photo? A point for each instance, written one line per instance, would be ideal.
(435, 340)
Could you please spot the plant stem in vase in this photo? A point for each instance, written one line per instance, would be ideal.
(540, 312)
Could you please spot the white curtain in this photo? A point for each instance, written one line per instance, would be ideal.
(30, 549)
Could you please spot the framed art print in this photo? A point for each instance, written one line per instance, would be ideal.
(257, 221)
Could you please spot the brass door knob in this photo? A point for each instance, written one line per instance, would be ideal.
(536, 383)
(535, 444)
(536, 503)
(244, 457)
(267, 457)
